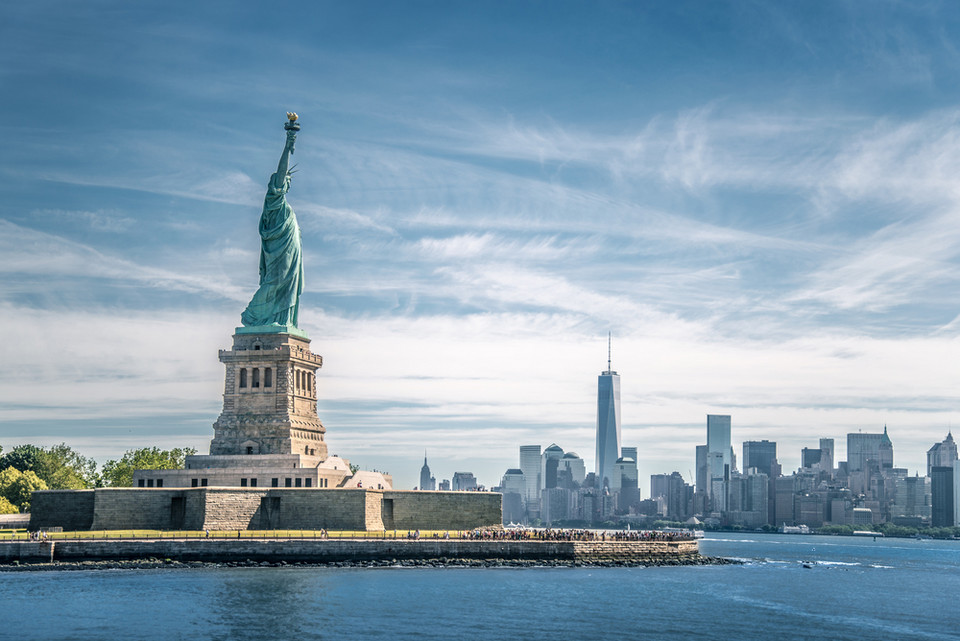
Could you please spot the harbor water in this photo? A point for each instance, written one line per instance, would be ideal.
(790, 587)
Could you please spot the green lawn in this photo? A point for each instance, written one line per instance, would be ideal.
(21, 535)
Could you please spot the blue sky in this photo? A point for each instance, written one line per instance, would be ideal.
(759, 201)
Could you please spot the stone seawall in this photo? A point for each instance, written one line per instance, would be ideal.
(214, 508)
(350, 550)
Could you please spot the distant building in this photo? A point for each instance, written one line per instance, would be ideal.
(573, 470)
(751, 496)
(673, 494)
(956, 493)
(625, 483)
(942, 454)
(862, 448)
(444, 485)
(719, 460)
(549, 463)
(760, 455)
(427, 482)
(943, 509)
(464, 481)
(530, 465)
(785, 490)
(513, 482)
(862, 516)
(608, 423)
(827, 455)
(913, 499)
(718, 437)
(659, 485)
(512, 486)
(701, 481)
(810, 457)
(555, 505)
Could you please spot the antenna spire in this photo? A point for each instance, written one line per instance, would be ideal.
(609, 369)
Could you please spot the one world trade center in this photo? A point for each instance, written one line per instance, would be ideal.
(608, 423)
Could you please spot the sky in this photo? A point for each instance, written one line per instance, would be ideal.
(758, 200)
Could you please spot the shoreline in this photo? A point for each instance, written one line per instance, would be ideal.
(350, 551)
(170, 564)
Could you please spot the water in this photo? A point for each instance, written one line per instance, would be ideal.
(856, 589)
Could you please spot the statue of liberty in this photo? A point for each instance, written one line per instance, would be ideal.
(277, 302)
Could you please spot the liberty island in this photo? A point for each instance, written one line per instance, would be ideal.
(268, 466)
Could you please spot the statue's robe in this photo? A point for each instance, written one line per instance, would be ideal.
(277, 302)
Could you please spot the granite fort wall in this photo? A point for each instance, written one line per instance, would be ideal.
(132, 509)
(230, 509)
(408, 510)
(69, 509)
(309, 550)
(293, 509)
(262, 509)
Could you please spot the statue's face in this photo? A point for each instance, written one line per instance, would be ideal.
(286, 181)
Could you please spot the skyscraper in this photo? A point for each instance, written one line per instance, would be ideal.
(718, 437)
(464, 481)
(624, 483)
(701, 477)
(719, 459)
(549, 463)
(956, 493)
(530, 466)
(427, 482)
(759, 454)
(869, 447)
(810, 457)
(942, 454)
(942, 496)
(573, 468)
(608, 422)
(512, 487)
(826, 455)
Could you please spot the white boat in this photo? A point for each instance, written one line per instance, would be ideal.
(794, 529)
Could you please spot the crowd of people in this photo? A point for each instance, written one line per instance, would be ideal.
(549, 534)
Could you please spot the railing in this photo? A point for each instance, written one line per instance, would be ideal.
(543, 535)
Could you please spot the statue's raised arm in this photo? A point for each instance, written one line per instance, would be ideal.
(276, 304)
(292, 128)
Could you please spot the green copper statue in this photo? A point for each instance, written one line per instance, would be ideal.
(276, 305)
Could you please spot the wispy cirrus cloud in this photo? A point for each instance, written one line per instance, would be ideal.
(32, 258)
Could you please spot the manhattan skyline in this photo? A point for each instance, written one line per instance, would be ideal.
(759, 202)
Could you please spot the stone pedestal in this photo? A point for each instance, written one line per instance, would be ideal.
(270, 397)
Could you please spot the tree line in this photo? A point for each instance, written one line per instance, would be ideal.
(27, 468)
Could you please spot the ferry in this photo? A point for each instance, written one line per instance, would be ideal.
(794, 529)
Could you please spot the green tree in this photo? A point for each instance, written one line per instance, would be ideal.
(119, 473)
(6, 507)
(23, 457)
(17, 486)
(62, 468)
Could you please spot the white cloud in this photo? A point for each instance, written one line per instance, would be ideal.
(39, 254)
